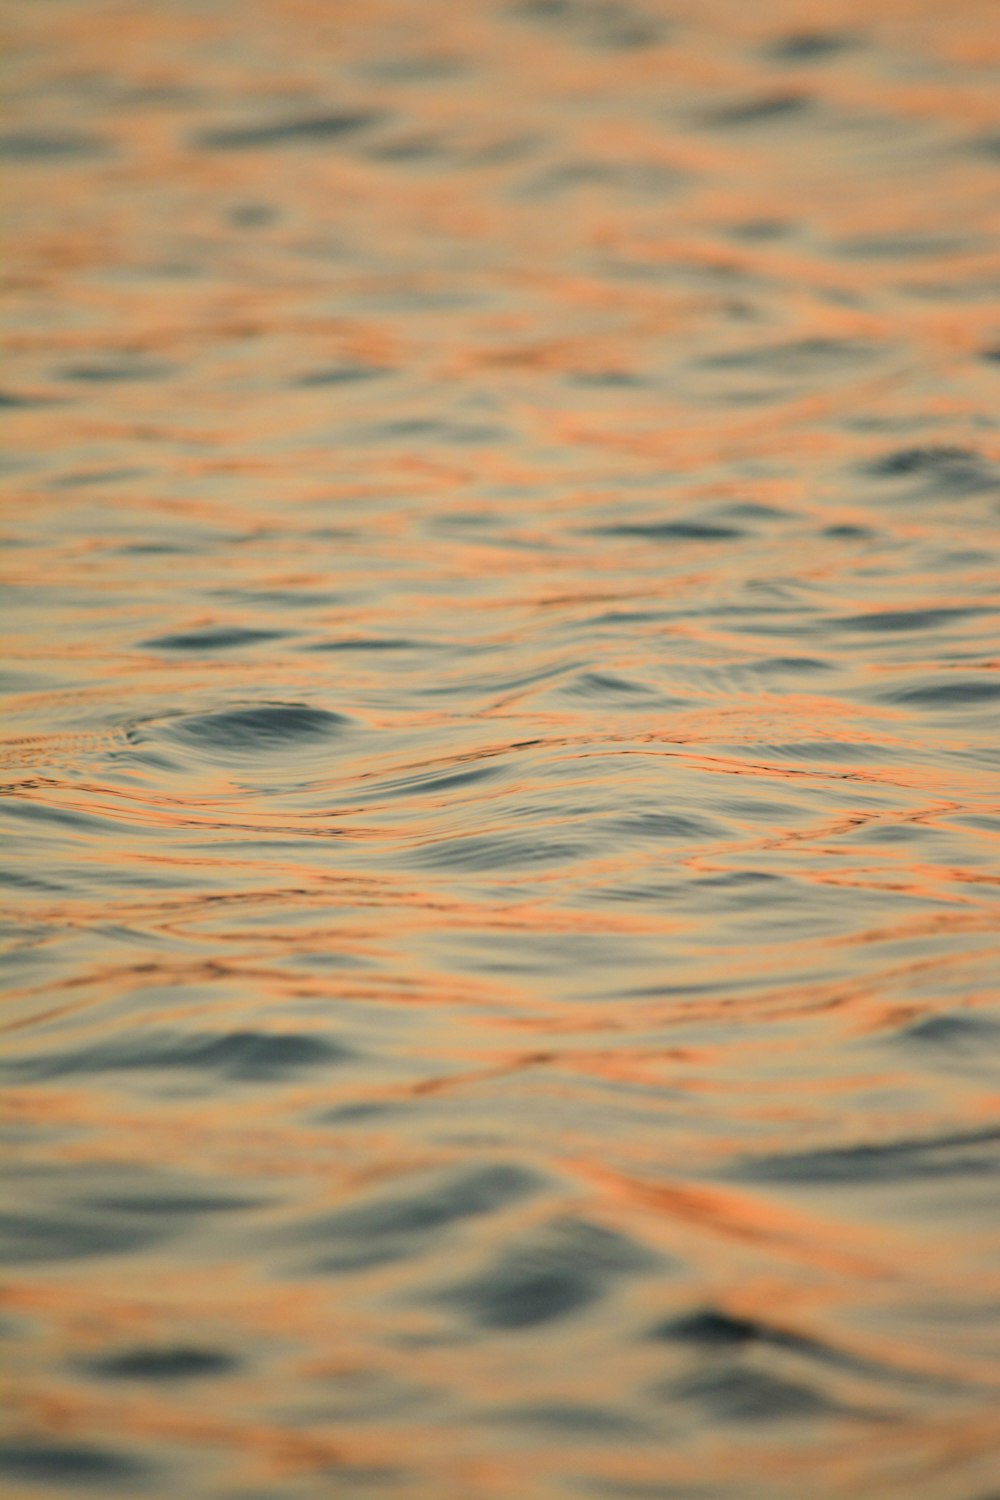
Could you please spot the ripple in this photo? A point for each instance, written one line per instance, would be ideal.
(709, 1328)
(582, 1421)
(347, 374)
(605, 25)
(30, 1238)
(401, 1224)
(43, 146)
(372, 643)
(946, 693)
(901, 619)
(177, 1363)
(53, 1461)
(605, 686)
(114, 372)
(966, 1042)
(765, 109)
(93, 1210)
(672, 531)
(938, 471)
(305, 130)
(21, 401)
(223, 638)
(733, 1394)
(797, 47)
(500, 851)
(239, 1055)
(799, 357)
(662, 825)
(252, 731)
(568, 1266)
(969, 1153)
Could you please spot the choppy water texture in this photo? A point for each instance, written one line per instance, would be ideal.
(502, 749)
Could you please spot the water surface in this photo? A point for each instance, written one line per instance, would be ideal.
(501, 751)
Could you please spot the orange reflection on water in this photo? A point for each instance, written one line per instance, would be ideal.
(501, 726)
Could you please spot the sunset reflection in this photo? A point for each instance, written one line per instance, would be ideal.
(500, 740)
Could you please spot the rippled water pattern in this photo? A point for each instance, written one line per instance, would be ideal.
(502, 749)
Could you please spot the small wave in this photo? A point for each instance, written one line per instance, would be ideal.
(963, 1041)
(346, 374)
(174, 1364)
(22, 401)
(937, 471)
(368, 643)
(799, 357)
(604, 25)
(672, 531)
(499, 851)
(584, 1423)
(224, 638)
(710, 1328)
(946, 693)
(238, 1055)
(838, 751)
(567, 1266)
(764, 109)
(797, 47)
(731, 1393)
(50, 1461)
(398, 1225)
(900, 619)
(251, 731)
(109, 372)
(607, 687)
(31, 1237)
(306, 130)
(44, 146)
(968, 1153)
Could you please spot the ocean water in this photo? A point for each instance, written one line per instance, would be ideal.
(502, 505)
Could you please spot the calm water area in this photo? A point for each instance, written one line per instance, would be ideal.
(501, 758)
